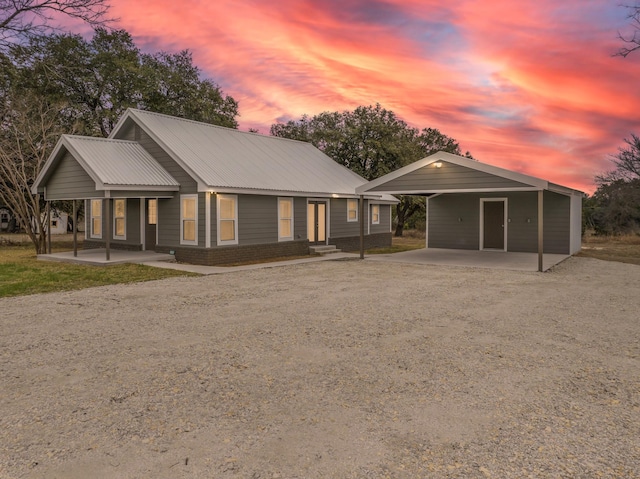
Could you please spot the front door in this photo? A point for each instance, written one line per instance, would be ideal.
(493, 223)
(150, 224)
(317, 222)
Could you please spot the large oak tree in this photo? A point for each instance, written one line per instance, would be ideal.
(63, 83)
(372, 141)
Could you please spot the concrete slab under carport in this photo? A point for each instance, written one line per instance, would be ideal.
(472, 259)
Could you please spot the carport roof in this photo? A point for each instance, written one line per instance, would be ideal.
(447, 173)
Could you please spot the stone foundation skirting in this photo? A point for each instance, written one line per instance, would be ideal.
(352, 243)
(222, 255)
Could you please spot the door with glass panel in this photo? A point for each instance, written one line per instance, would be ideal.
(317, 222)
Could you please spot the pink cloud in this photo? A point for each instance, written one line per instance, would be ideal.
(528, 85)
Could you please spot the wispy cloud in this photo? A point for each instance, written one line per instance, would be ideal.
(529, 85)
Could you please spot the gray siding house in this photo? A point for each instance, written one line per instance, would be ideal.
(476, 206)
(208, 194)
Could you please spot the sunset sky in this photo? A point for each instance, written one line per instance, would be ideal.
(529, 85)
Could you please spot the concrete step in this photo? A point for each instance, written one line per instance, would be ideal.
(324, 249)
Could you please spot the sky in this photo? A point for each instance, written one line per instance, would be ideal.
(528, 85)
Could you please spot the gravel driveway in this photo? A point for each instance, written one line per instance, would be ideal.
(342, 369)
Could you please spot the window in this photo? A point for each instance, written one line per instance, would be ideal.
(227, 208)
(285, 219)
(152, 212)
(189, 219)
(96, 218)
(375, 214)
(119, 223)
(352, 210)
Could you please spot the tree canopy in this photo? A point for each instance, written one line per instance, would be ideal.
(63, 83)
(372, 141)
(614, 208)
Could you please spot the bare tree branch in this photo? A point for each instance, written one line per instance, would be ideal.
(633, 40)
(29, 132)
(22, 18)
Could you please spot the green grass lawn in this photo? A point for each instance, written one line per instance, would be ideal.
(21, 273)
(623, 249)
(404, 243)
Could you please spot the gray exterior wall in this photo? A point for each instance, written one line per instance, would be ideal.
(450, 176)
(69, 181)
(557, 223)
(300, 218)
(169, 208)
(339, 226)
(454, 221)
(385, 220)
(257, 219)
(132, 228)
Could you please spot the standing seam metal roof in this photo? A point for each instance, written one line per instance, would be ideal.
(227, 158)
(119, 162)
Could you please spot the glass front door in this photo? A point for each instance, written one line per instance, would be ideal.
(317, 222)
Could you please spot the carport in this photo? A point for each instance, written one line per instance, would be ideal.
(474, 206)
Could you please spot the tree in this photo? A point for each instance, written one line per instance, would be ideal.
(30, 130)
(21, 19)
(100, 78)
(65, 84)
(633, 40)
(614, 208)
(371, 141)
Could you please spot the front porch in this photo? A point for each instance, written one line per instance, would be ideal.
(97, 257)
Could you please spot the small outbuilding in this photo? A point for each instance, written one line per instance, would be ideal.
(475, 206)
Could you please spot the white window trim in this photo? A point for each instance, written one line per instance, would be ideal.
(182, 240)
(235, 202)
(290, 237)
(357, 208)
(377, 205)
(124, 236)
(92, 234)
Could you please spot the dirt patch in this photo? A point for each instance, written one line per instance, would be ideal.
(331, 369)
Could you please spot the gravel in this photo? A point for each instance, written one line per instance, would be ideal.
(331, 369)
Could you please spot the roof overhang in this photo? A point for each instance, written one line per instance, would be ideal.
(431, 166)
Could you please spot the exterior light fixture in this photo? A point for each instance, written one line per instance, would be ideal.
(438, 164)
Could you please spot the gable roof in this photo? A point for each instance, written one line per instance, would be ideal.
(228, 160)
(456, 174)
(111, 164)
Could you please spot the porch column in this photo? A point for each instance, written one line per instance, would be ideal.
(107, 214)
(75, 229)
(540, 230)
(48, 227)
(361, 226)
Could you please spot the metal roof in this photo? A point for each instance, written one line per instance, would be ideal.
(118, 163)
(514, 181)
(225, 159)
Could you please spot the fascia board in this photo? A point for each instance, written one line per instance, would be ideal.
(466, 190)
(111, 187)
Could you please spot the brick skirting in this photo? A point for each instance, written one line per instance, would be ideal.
(95, 244)
(352, 243)
(237, 253)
